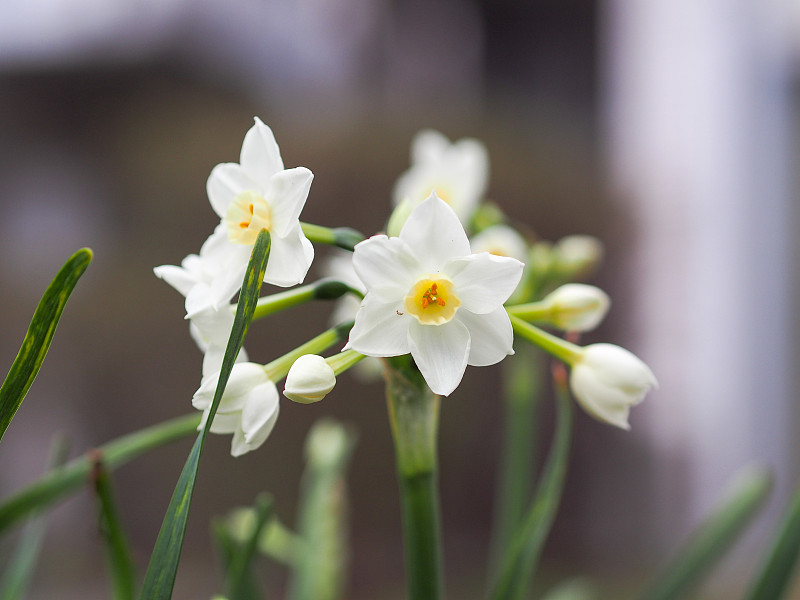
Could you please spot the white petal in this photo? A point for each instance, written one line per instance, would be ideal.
(386, 266)
(440, 352)
(229, 282)
(434, 234)
(213, 326)
(178, 277)
(259, 413)
(427, 146)
(213, 356)
(260, 155)
(380, 329)
(491, 336)
(501, 240)
(244, 377)
(228, 180)
(225, 422)
(484, 281)
(201, 297)
(289, 259)
(286, 196)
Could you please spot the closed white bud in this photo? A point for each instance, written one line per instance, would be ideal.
(309, 380)
(579, 254)
(577, 307)
(607, 380)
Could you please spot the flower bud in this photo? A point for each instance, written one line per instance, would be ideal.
(577, 307)
(578, 255)
(309, 380)
(607, 380)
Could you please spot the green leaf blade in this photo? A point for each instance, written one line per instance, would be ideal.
(39, 335)
(779, 565)
(712, 539)
(162, 570)
(118, 553)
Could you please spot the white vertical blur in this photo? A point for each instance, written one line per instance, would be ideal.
(697, 117)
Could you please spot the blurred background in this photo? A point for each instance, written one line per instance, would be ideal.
(667, 128)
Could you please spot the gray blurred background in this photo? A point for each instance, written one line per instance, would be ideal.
(667, 128)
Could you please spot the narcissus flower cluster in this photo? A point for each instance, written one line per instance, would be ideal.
(426, 289)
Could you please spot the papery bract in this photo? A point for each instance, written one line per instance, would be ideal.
(457, 172)
(248, 409)
(607, 380)
(428, 295)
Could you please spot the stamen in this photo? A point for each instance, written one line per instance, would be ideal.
(432, 301)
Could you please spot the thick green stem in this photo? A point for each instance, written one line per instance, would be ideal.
(414, 417)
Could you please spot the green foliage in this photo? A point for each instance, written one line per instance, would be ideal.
(40, 333)
(21, 567)
(319, 572)
(118, 553)
(59, 483)
(780, 563)
(522, 556)
(714, 537)
(160, 577)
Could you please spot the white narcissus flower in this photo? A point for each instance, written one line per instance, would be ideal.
(458, 172)
(501, 240)
(309, 380)
(257, 193)
(248, 409)
(577, 307)
(607, 380)
(428, 295)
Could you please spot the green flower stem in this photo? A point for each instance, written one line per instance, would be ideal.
(343, 237)
(343, 361)
(278, 368)
(561, 349)
(523, 375)
(522, 555)
(414, 417)
(531, 311)
(320, 572)
(74, 475)
(324, 289)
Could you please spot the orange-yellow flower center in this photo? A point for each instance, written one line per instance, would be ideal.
(432, 301)
(247, 215)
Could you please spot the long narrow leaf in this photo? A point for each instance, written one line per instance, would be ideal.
(21, 567)
(520, 560)
(160, 577)
(40, 333)
(118, 554)
(60, 483)
(779, 566)
(709, 543)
